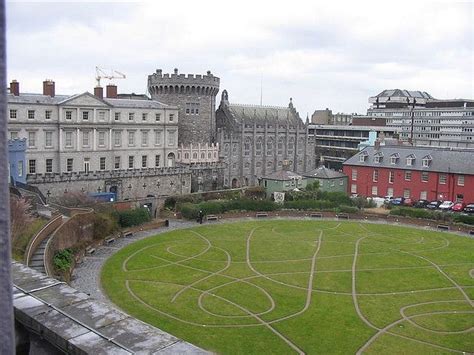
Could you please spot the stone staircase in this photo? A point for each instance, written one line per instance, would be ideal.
(37, 260)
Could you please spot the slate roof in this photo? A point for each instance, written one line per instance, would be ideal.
(444, 160)
(324, 173)
(136, 103)
(261, 113)
(283, 175)
(405, 93)
(36, 99)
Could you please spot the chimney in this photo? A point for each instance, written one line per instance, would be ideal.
(48, 88)
(176, 70)
(15, 88)
(111, 91)
(377, 144)
(99, 92)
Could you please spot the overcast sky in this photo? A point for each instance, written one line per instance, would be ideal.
(331, 54)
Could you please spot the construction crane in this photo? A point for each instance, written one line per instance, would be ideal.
(101, 73)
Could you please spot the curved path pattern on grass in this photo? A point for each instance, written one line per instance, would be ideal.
(394, 245)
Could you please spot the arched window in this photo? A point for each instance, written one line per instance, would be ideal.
(300, 145)
(171, 159)
(281, 145)
(186, 155)
(226, 148)
(247, 144)
(270, 146)
(258, 146)
(291, 145)
(203, 156)
(195, 155)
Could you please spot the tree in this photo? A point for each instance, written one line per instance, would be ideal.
(20, 215)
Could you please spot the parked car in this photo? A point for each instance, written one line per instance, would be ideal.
(469, 208)
(398, 201)
(433, 205)
(458, 207)
(446, 205)
(387, 199)
(421, 203)
(408, 202)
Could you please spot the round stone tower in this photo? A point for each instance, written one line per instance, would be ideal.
(195, 96)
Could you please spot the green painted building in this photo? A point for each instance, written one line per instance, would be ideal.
(282, 181)
(329, 180)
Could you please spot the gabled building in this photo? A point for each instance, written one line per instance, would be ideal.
(282, 181)
(426, 173)
(329, 180)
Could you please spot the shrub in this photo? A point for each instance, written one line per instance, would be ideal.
(347, 209)
(133, 217)
(464, 219)
(104, 224)
(420, 213)
(189, 210)
(255, 192)
(62, 259)
(321, 205)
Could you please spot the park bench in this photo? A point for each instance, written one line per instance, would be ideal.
(316, 215)
(342, 216)
(443, 227)
(90, 250)
(211, 217)
(109, 240)
(471, 232)
(261, 214)
(128, 234)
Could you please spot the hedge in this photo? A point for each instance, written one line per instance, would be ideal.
(321, 205)
(464, 219)
(191, 210)
(420, 213)
(133, 217)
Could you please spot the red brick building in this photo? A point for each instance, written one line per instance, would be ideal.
(417, 172)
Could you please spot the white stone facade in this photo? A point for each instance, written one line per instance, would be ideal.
(198, 153)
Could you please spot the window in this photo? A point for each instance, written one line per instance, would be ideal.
(85, 138)
(406, 193)
(375, 175)
(460, 180)
(247, 144)
(49, 165)
(101, 116)
(69, 164)
(353, 188)
(85, 115)
(407, 175)
(117, 163)
(171, 138)
(87, 165)
(378, 158)
(31, 139)
(68, 139)
(32, 166)
(144, 161)
(68, 115)
(258, 146)
(426, 161)
(117, 138)
(13, 135)
(31, 114)
(13, 114)
(144, 116)
(390, 191)
(391, 177)
(20, 167)
(157, 161)
(354, 174)
(157, 117)
(424, 176)
(442, 179)
(131, 116)
(362, 158)
(131, 162)
(117, 116)
(144, 138)
(102, 163)
(341, 182)
(47, 114)
(101, 139)
(171, 117)
(131, 138)
(158, 137)
(410, 160)
(423, 195)
(280, 146)
(375, 191)
(48, 139)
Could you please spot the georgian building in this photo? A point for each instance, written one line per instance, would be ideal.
(427, 173)
(255, 141)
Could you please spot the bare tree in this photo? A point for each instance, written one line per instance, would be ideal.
(20, 215)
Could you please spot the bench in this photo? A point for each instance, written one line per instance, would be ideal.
(443, 227)
(128, 234)
(261, 214)
(316, 215)
(90, 250)
(471, 232)
(109, 240)
(211, 217)
(342, 216)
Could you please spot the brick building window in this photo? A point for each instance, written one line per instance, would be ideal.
(406, 193)
(407, 175)
(460, 180)
(375, 175)
(102, 163)
(391, 177)
(375, 191)
(117, 163)
(442, 179)
(353, 188)
(354, 175)
(390, 191)
(425, 176)
(423, 195)
(32, 166)
(49, 165)
(69, 164)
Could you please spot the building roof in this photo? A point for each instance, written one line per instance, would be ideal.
(27, 98)
(324, 173)
(283, 175)
(136, 103)
(405, 93)
(445, 160)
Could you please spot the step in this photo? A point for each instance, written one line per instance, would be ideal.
(37, 258)
(36, 263)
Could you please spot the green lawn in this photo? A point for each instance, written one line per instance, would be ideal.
(281, 286)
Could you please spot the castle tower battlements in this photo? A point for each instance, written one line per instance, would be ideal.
(195, 96)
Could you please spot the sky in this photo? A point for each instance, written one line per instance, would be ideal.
(323, 54)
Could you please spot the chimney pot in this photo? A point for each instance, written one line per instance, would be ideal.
(99, 92)
(15, 88)
(176, 70)
(49, 88)
(111, 91)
